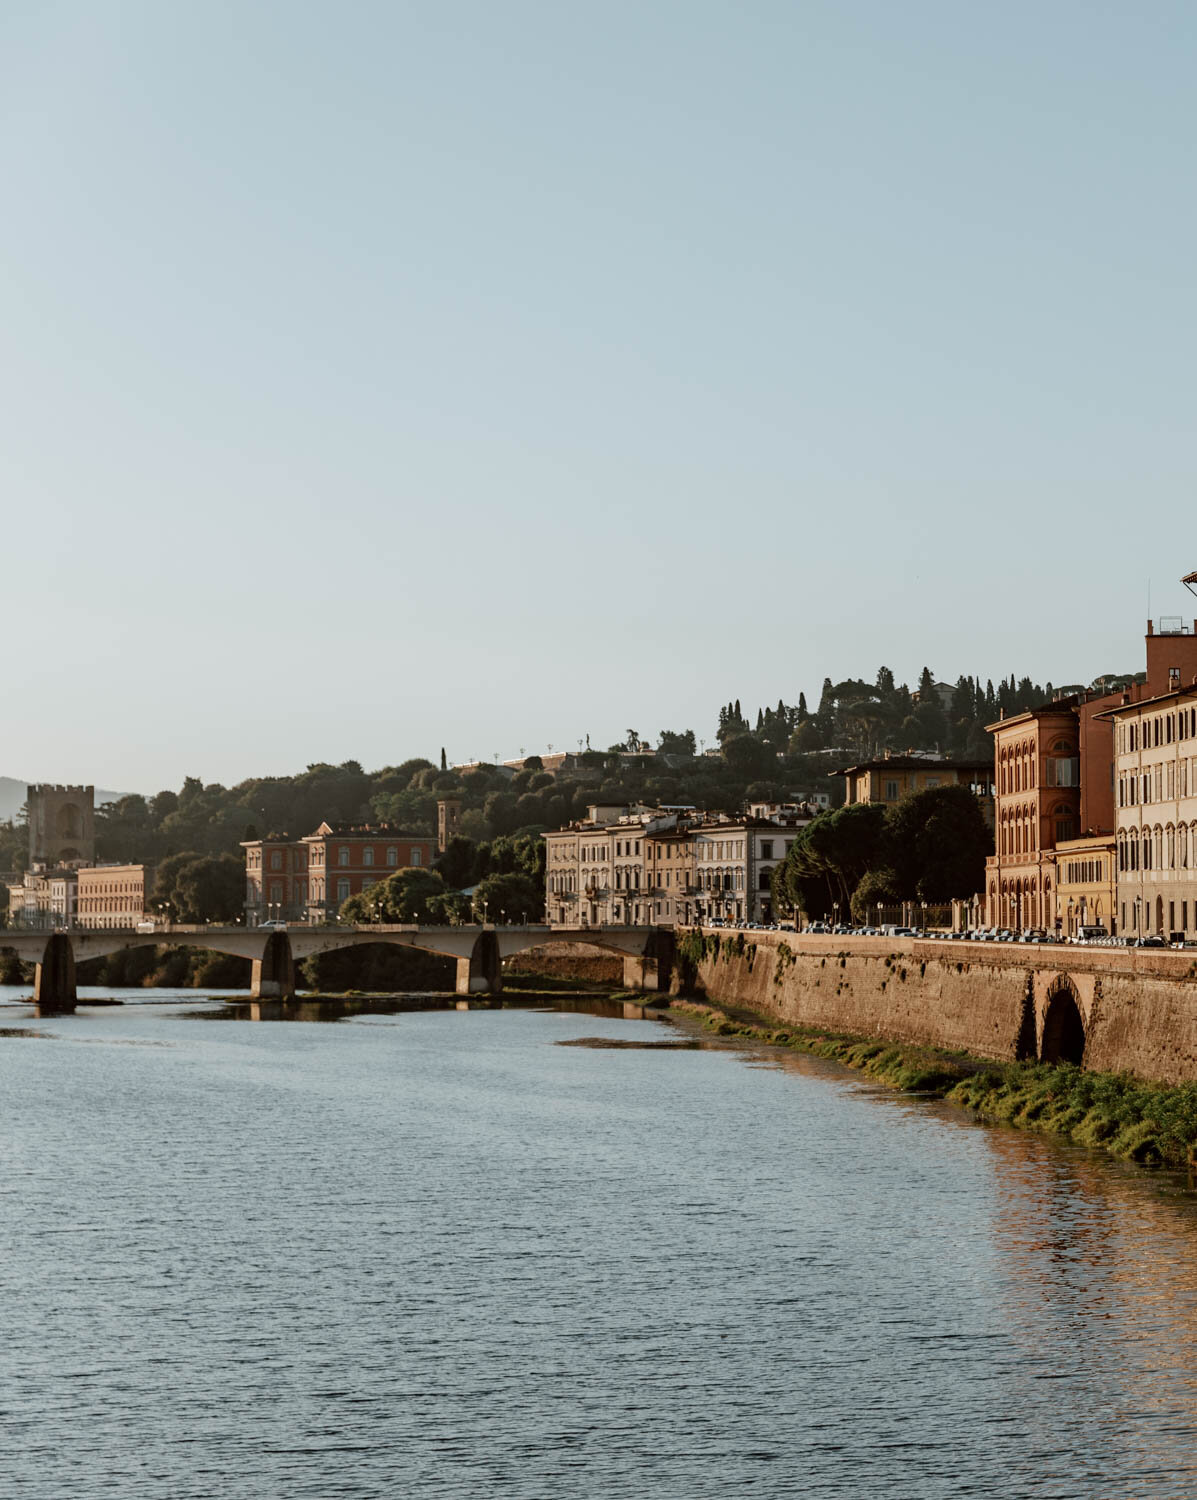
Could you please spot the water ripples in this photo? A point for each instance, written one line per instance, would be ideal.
(443, 1257)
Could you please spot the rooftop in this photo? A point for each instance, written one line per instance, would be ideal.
(914, 763)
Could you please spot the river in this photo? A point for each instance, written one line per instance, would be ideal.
(434, 1255)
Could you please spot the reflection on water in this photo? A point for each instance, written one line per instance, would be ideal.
(428, 1253)
(325, 1008)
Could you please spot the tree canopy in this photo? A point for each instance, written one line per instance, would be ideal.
(929, 847)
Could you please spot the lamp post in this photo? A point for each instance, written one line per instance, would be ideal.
(924, 926)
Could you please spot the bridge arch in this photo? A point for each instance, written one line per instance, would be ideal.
(1063, 1024)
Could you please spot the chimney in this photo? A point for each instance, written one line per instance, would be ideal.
(1150, 628)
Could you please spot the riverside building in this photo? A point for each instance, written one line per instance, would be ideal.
(645, 866)
(345, 859)
(1155, 769)
(114, 895)
(308, 879)
(597, 869)
(276, 880)
(43, 897)
(1085, 884)
(1054, 776)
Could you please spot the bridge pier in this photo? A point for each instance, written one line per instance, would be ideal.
(274, 973)
(652, 969)
(481, 973)
(54, 980)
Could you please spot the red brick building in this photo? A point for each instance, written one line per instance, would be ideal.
(276, 881)
(308, 879)
(344, 860)
(1054, 775)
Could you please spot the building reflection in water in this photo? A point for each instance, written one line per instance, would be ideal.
(1086, 1313)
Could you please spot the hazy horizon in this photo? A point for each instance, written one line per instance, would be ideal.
(384, 379)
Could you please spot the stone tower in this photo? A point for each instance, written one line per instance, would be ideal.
(448, 815)
(62, 825)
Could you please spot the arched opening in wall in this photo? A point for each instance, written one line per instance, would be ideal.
(69, 822)
(1063, 1030)
(1159, 914)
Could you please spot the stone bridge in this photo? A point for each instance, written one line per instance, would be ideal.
(478, 950)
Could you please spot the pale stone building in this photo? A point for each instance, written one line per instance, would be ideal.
(114, 895)
(600, 870)
(666, 866)
(1155, 785)
(42, 898)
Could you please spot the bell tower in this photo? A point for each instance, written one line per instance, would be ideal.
(448, 815)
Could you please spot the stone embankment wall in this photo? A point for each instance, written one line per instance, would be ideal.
(568, 961)
(1138, 1007)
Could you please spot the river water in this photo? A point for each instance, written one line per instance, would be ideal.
(433, 1254)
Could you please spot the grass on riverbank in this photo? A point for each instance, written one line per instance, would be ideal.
(1111, 1112)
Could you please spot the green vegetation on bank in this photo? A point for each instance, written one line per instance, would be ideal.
(1112, 1112)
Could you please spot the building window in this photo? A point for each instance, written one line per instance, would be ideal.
(276, 861)
(392, 857)
(342, 890)
(891, 791)
(367, 856)
(342, 855)
(415, 857)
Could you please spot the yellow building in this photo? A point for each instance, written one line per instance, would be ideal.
(1086, 875)
(896, 776)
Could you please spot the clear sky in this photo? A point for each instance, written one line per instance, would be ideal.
(383, 376)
